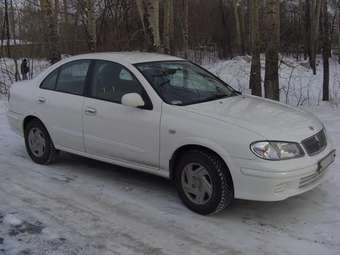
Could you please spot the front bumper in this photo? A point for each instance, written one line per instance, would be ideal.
(274, 181)
(15, 121)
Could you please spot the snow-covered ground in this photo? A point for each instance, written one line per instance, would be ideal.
(7, 70)
(82, 206)
(298, 85)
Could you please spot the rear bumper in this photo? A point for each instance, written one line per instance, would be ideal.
(15, 121)
(275, 181)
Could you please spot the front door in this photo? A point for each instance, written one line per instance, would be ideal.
(115, 131)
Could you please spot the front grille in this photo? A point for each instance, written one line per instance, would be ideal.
(315, 144)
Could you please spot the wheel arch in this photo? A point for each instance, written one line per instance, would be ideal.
(28, 119)
(184, 148)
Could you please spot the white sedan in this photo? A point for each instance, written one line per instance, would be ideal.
(167, 116)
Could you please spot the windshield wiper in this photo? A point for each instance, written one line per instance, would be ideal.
(216, 97)
(236, 93)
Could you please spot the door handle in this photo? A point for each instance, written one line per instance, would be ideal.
(41, 100)
(91, 111)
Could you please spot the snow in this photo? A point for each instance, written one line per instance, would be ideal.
(13, 42)
(82, 206)
(10, 219)
(3, 105)
(7, 70)
(298, 85)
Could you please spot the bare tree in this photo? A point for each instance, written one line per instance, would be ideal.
(13, 32)
(168, 28)
(307, 41)
(315, 27)
(338, 31)
(185, 31)
(255, 73)
(65, 9)
(51, 36)
(326, 49)
(272, 20)
(56, 11)
(149, 15)
(236, 7)
(154, 21)
(91, 24)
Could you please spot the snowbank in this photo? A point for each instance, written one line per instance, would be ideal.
(298, 85)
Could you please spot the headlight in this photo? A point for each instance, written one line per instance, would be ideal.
(272, 150)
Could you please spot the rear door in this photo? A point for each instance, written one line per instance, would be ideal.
(59, 103)
(115, 131)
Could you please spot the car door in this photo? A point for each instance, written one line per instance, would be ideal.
(115, 131)
(59, 103)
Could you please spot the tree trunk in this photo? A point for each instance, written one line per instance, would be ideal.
(153, 11)
(12, 18)
(307, 28)
(149, 14)
(238, 37)
(225, 44)
(242, 16)
(185, 27)
(315, 21)
(56, 13)
(255, 73)
(142, 15)
(65, 29)
(302, 38)
(271, 83)
(339, 31)
(65, 6)
(168, 28)
(51, 36)
(326, 49)
(91, 25)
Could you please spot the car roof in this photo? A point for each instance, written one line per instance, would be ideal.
(130, 57)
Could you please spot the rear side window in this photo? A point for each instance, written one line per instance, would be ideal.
(51, 81)
(72, 77)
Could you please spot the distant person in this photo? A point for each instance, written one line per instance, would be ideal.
(24, 69)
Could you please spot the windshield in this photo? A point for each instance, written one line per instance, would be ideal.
(183, 83)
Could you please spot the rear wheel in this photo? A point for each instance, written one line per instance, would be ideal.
(38, 143)
(203, 182)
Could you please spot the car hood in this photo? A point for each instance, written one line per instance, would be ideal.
(270, 119)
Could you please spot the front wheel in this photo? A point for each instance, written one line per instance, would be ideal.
(38, 143)
(203, 182)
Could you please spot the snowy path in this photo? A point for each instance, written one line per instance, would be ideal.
(81, 206)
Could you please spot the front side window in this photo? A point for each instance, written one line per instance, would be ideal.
(72, 77)
(183, 83)
(111, 81)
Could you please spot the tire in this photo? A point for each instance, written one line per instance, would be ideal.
(208, 169)
(42, 151)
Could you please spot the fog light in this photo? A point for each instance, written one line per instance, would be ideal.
(281, 187)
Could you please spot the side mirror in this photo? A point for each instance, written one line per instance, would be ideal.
(133, 100)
